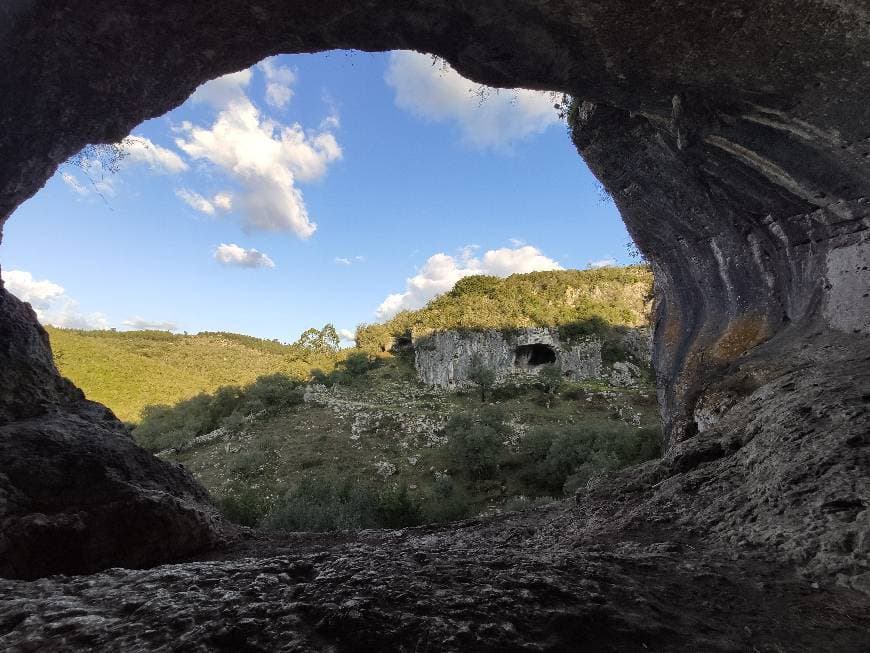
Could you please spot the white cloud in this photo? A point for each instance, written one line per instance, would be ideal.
(136, 150)
(441, 272)
(224, 90)
(195, 201)
(74, 183)
(348, 260)
(267, 158)
(221, 201)
(50, 302)
(348, 337)
(603, 263)
(486, 118)
(341, 260)
(233, 254)
(141, 150)
(140, 324)
(278, 82)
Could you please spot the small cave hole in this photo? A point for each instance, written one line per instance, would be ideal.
(529, 356)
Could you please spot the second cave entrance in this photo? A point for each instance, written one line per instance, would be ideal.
(531, 356)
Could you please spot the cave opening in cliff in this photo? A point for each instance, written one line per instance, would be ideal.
(534, 355)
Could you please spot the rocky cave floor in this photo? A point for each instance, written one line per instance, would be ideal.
(750, 536)
(528, 581)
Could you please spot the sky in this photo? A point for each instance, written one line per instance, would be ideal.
(338, 187)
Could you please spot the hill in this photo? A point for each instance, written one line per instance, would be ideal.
(611, 296)
(129, 370)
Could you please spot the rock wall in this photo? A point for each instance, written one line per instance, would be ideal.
(444, 358)
(733, 137)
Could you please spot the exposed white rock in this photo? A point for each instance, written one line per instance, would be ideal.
(443, 358)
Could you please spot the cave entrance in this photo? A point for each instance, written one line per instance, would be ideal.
(534, 355)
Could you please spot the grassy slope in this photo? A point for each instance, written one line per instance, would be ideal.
(129, 370)
(386, 417)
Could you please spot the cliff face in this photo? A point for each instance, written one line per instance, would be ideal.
(444, 358)
(734, 138)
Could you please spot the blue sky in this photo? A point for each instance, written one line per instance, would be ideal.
(337, 187)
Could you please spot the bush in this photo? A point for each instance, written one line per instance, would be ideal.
(329, 504)
(481, 375)
(508, 391)
(357, 364)
(562, 459)
(477, 443)
(246, 506)
(445, 503)
(165, 427)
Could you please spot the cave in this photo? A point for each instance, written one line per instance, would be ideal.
(732, 136)
(533, 355)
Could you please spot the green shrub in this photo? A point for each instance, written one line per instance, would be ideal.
(328, 504)
(357, 364)
(481, 375)
(508, 391)
(245, 506)
(563, 458)
(446, 502)
(165, 427)
(476, 444)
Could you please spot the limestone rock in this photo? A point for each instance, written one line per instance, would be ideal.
(444, 358)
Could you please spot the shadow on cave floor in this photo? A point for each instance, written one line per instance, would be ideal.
(524, 581)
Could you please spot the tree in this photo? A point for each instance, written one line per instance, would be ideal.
(323, 341)
(481, 375)
(550, 377)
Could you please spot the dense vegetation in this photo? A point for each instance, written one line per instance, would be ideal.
(579, 301)
(308, 466)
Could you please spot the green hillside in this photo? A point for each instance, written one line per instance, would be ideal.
(130, 370)
(379, 450)
(611, 296)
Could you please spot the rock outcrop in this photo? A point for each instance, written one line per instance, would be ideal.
(733, 137)
(444, 358)
(76, 493)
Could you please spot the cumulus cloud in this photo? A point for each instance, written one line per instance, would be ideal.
(140, 324)
(602, 263)
(441, 271)
(221, 201)
(265, 157)
(233, 254)
(50, 302)
(278, 81)
(486, 118)
(159, 159)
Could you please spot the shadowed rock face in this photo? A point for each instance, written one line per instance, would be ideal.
(735, 139)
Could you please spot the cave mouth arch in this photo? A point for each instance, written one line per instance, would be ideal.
(725, 157)
(528, 357)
